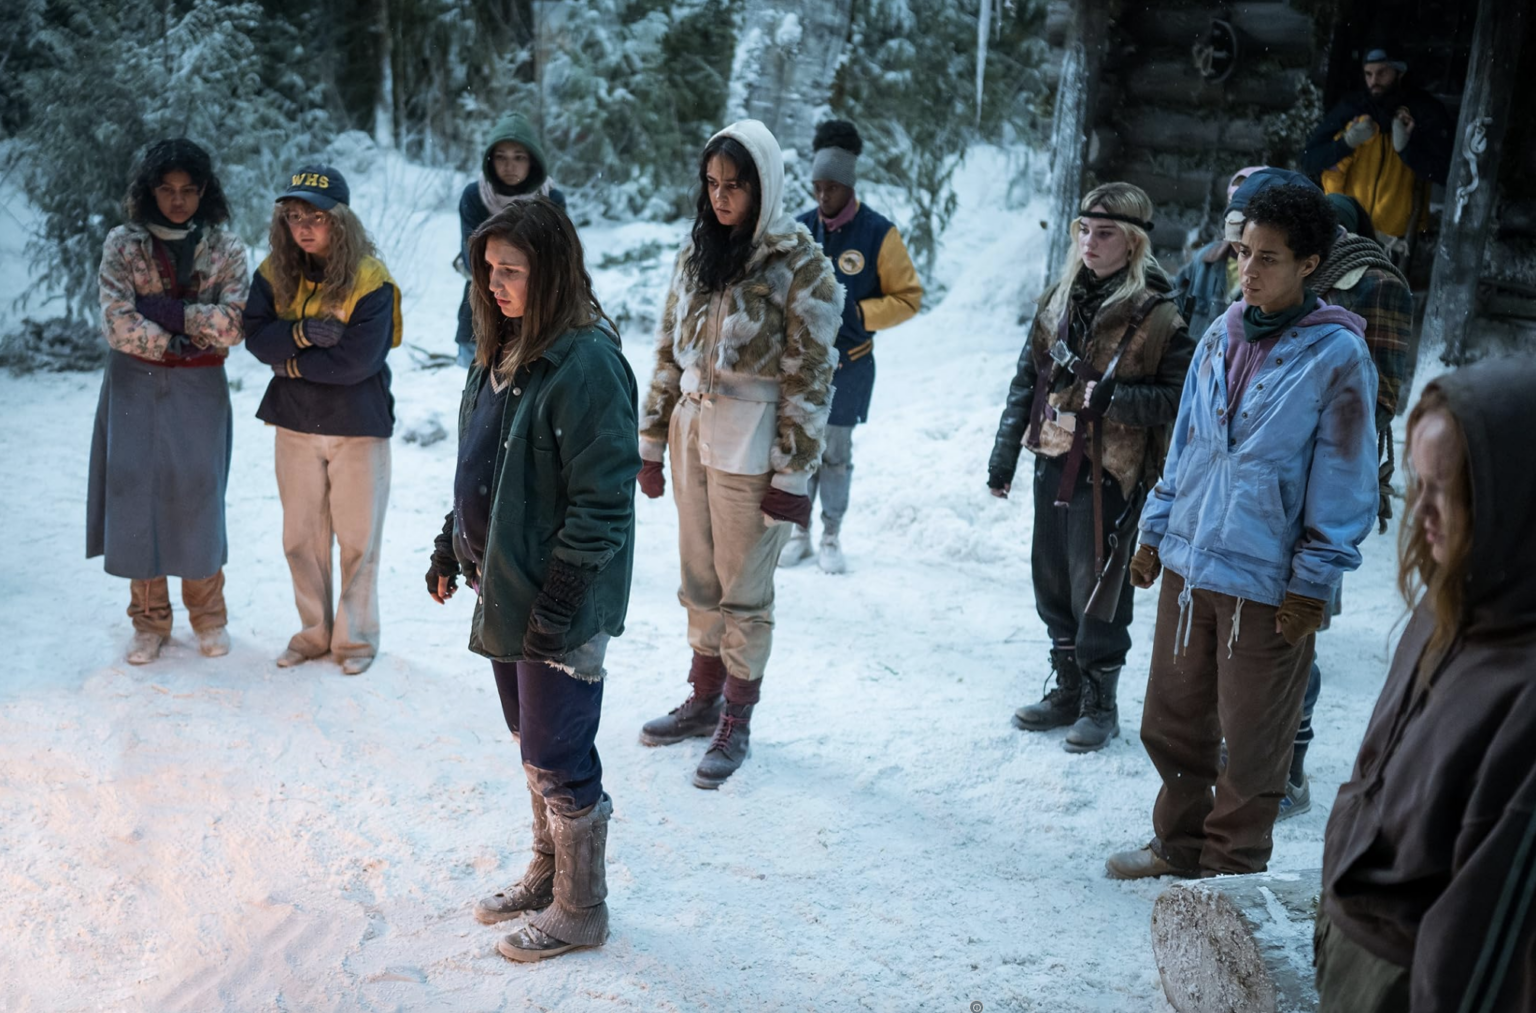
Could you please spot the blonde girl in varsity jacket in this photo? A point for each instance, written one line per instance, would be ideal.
(324, 314)
(740, 396)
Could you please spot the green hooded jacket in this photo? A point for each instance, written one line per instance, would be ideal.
(564, 488)
(515, 127)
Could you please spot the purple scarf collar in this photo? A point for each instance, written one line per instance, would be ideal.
(1324, 314)
(843, 217)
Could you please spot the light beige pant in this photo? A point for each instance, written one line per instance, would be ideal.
(333, 486)
(149, 603)
(729, 551)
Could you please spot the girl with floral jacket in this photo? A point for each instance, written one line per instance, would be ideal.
(173, 284)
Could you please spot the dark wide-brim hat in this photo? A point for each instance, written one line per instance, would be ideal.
(320, 185)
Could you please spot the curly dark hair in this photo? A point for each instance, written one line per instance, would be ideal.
(170, 155)
(838, 134)
(1302, 212)
(720, 253)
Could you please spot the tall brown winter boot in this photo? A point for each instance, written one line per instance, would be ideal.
(696, 716)
(536, 889)
(579, 915)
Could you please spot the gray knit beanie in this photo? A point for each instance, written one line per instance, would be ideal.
(837, 146)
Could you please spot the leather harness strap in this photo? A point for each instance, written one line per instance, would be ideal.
(1091, 419)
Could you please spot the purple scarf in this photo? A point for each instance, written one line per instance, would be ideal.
(843, 217)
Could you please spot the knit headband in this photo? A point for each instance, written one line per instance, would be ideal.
(1142, 224)
(834, 164)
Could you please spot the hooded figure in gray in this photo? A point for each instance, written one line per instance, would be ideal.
(1429, 863)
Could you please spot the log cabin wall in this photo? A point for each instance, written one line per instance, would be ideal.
(1161, 125)
(1506, 298)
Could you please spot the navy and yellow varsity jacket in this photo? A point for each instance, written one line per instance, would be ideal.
(872, 263)
(337, 391)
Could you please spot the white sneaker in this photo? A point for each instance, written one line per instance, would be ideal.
(797, 549)
(830, 559)
(145, 647)
(214, 643)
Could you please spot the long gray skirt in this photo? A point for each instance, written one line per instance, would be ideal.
(159, 467)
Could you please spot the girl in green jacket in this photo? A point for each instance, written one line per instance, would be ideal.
(543, 528)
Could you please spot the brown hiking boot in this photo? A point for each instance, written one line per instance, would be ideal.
(1144, 863)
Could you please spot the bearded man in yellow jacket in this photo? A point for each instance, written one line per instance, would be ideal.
(1384, 147)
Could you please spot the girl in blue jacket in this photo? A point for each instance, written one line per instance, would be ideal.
(1269, 488)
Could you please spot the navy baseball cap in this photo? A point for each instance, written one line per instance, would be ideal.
(321, 185)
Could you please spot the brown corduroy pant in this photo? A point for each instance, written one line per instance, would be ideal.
(1237, 678)
(149, 603)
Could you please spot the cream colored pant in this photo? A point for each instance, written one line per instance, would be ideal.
(333, 487)
(729, 553)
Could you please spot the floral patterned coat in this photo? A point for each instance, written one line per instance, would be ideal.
(129, 270)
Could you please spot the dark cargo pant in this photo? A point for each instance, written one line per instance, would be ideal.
(1236, 677)
(1062, 567)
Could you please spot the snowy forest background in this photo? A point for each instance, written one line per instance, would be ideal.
(626, 92)
(220, 834)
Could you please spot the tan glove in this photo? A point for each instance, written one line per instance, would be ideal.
(1361, 129)
(1299, 617)
(1145, 566)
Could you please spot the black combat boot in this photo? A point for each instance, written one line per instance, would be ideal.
(1062, 704)
(1100, 718)
(729, 748)
(696, 716)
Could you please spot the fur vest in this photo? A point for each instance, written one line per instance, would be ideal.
(1125, 447)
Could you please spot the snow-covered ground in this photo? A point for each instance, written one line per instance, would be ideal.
(224, 835)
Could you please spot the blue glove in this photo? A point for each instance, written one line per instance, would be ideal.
(179, 347)
(323, 332)
(163, 310)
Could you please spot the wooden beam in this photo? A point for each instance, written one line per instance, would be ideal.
(1472, 191)
(1189, 187)
(1264, 29)
(1164, 130)
(1177, 82)
(1076, 97)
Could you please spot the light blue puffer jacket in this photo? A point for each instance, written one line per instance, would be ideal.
(1279, 498)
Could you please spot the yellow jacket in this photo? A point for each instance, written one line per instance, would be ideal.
(1377, 177)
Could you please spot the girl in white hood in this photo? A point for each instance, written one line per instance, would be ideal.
(740, 396)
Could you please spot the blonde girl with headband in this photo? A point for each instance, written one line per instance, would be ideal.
(1097, 381)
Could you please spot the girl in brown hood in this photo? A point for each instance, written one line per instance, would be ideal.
(1429, 865)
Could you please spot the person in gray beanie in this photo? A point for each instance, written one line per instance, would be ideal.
(872, 263)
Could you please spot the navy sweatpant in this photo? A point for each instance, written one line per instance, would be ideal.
(555, 718)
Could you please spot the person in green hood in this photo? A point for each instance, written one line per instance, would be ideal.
(513, 166)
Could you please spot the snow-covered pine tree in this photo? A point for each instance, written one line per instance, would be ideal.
(630, 92)
(207, 73)
(898, 83)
